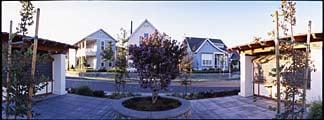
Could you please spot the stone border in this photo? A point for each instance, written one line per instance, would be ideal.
(184, 111)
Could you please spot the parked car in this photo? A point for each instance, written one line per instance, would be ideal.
(131, 69)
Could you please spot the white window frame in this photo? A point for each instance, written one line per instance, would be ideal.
(102, 46)
(207, 59)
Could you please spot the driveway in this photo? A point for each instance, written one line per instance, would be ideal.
(72, 106)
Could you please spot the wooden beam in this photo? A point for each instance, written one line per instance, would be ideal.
(277, 60)
(31, 88)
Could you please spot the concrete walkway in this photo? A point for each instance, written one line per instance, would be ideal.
(72, 106)
(232, 107)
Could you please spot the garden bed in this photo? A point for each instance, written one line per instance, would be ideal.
(170, 108)
(207, 94)
(145, 104)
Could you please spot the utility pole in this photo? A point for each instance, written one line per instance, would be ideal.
(31, 88)
(8, 70)
(277, 60)
(306, 65)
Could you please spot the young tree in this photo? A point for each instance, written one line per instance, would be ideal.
(156, 60)
(108, 53)
(21, 84)
(295, 72)
(21, 81)
(121, 63)
(186, 70)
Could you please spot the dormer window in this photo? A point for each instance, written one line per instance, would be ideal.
(145, 34)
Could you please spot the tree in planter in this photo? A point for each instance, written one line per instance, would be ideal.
(186, 70)
(121, 63)
(156, 60)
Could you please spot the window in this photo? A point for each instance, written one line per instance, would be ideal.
(110, 64)
(207, 59)
(102, 64)
(145, 34)
(102, 45)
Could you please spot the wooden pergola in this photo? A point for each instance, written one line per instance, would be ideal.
(266, 46)
(44, 45)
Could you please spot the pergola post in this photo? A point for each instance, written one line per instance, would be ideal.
(59, 74)
(246, 82)
(306, 64)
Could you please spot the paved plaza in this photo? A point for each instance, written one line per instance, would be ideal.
(72, 106)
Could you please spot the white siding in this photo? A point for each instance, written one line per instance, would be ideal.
(144, 28)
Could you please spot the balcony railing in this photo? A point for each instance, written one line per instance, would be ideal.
(86, 52)
(90, 52)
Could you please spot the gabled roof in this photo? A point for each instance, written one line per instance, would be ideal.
(141, 25)
(235, 55)
(100, 30)
(196, 42)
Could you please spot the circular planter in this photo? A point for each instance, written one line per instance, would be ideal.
(121, 112)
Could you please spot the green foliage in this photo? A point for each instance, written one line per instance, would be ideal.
(186, 70)
(108, 53)
(316, 111)
(84, 90)
(99, 93)
(27, 11)
(206, 94)
(21, 80)
(121, 64)
(156, 60)
(121, 95)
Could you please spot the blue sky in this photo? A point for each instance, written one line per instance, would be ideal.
(234, 22)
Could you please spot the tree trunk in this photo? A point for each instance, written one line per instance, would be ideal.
(8, 72)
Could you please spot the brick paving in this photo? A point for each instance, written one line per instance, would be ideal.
(72, 106)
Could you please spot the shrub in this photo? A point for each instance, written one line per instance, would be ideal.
(84, 90)
(316, 111)
(99, 93)
(207, 94)
(91, 70)
(102, 70)
(71, 90)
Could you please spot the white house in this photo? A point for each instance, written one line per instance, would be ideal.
(143, 30)
(255, 78)
(90, 49)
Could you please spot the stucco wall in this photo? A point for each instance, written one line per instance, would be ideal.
(315, 91)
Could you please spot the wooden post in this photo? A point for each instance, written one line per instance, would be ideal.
(8, 71)
(31, 88)
(306, 64)
(277, 60)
